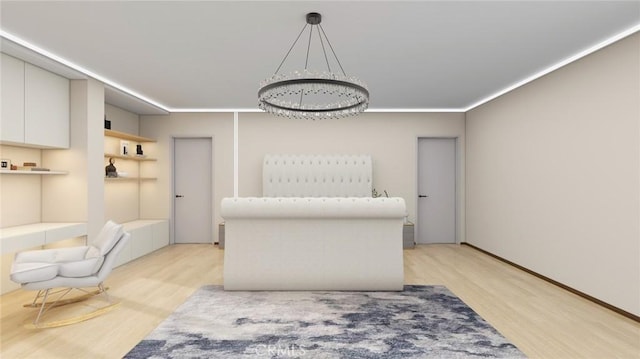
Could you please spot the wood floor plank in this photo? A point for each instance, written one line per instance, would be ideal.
(544, 321)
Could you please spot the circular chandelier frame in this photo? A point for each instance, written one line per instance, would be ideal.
(342, 95)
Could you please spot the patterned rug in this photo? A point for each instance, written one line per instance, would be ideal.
(420, 322)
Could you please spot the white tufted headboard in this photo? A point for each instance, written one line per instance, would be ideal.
(317, 176)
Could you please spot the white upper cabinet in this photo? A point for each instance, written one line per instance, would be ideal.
(46, 108)
(12, 121)
(35, 106)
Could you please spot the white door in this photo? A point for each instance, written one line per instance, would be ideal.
(436, 190)
(193, 210)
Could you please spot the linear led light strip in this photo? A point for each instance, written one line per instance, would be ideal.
(558, 65)
(79, 68)
(531, 78)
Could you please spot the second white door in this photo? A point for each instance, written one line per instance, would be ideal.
(436, 190)
(192, 173)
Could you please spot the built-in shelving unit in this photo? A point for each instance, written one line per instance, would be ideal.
(133, 138)
(147, 235)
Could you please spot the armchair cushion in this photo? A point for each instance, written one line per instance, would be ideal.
(81, 268)
(33, 272)
(74, 267)
(39, 265)
(53, 255)
(73, 262)
(93, 252)
(107, 238)
(42, 256)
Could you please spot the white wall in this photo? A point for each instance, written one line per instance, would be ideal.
(390, 138)
(20, 195)
(157, 196)
(553, 175)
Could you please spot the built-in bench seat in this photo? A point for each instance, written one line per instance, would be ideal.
(19, 238)
(147, 235)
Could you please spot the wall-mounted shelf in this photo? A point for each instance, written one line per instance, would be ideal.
(128, 179)
(125, 157)
(9, 172)
(127, 136)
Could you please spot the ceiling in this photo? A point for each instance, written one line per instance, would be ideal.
(211, 55)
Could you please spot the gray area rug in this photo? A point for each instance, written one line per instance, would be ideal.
(419, 322)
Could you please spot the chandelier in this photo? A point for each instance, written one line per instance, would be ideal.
(309, 94)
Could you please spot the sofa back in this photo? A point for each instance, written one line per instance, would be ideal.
(317, 176)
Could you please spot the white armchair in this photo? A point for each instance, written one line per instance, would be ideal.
(68, 269)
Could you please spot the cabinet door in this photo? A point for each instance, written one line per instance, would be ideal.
(12, 120)
(141, 241)
(125, 255)
(46, 108)
(160, 235)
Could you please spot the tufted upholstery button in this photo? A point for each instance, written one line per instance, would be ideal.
(315, 175)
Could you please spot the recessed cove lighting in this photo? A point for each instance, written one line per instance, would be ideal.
(556, 66)
(36, 49)
(79, 68)
(416, 110)
(225, 110)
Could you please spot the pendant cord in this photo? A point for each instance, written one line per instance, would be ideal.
(331, 47)
(291, 48)
(324, 51)
(306, 62)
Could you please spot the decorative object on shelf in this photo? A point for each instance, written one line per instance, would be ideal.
(29, 166)
(139, 150)
(311, 94)
(375, 194)
(107, 123)
(5, 164)
(110, 170)
(124, 148)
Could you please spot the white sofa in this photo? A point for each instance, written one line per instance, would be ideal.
(317, 228)
(313, 243)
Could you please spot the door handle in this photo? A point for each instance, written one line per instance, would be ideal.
(179, 196)
(422, 196)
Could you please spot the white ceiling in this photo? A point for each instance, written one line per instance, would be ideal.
(414, 55)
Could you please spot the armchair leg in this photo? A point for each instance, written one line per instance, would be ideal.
(46, 294)
(35, 300)
(102, 290)
(44, 303)
(59, 301)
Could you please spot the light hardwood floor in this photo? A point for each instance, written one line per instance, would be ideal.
(544, 321)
